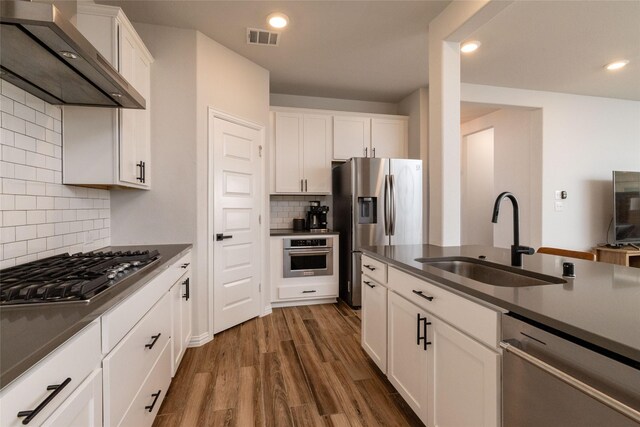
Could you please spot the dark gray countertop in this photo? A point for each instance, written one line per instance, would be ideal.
(291, 232)
(30, 333)
(601, 305)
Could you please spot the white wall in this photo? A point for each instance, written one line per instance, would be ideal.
(40, 217)
(517, 154)
(191, 73)
(477, 188)
(583, 139)
(315, 102)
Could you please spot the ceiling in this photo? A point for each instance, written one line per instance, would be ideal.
(364, 50)
(560, 46)
(377, 50)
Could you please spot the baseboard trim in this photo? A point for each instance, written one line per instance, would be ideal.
(266, 311)
(200, 340)
(308, 302)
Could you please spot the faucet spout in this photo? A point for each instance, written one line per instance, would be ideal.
(516, 250)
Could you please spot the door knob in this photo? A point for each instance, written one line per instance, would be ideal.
(220, 237)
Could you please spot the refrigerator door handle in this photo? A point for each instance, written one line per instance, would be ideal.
(387, 211)
(392, 223)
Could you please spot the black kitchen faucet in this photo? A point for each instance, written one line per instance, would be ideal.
(516, 249)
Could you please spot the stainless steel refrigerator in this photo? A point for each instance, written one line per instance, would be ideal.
(375, 202)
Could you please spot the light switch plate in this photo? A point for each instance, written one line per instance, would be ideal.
(558, 194)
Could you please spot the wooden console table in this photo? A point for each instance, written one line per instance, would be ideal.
(622, 256)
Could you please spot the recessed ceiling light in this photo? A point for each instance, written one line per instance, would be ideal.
(617, 64)
(278, 20)
(471, 46)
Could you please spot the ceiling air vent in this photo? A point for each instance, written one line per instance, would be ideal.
(262, 37)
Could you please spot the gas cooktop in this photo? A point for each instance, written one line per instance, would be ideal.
(70, 278)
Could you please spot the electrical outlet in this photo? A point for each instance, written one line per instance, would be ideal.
(559, 206)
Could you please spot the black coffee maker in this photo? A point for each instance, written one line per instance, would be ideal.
(317, 217)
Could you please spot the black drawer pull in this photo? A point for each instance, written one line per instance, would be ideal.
(369, 267)
(368, 284)
(420, 294)
(141, 166)
(155, 339)
(308, 292)
(32, 413)
(186, 290)
(185, 265)
(155, 399)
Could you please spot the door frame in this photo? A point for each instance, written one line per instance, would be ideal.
(217, 114)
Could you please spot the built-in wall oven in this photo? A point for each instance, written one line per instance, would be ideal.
(554, 380)
(305, 257)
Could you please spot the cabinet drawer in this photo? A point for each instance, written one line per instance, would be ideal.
(126, 367)
(145, 405)
(475, 320)
(117, 322)
(75, 359)
(375, 269)
(325, 290)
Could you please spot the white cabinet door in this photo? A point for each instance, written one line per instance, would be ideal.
(374, 321)
(288, 153)
(389, 138)
(176, 326)
(185, 294)
(465, 379)
(407, 367)
(351, 136)
(83, 408)
(317, 153)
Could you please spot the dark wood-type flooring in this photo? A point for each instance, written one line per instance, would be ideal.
(300, 366)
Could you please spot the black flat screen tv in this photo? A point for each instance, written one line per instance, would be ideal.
(626, 207)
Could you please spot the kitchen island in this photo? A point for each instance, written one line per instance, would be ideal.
(600, 306)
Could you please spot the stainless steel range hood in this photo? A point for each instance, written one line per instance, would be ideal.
(45, 54)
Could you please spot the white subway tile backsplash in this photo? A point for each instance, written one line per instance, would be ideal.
(40, 217)
(284, 209)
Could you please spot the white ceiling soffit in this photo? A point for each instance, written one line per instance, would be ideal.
(366, 50)
(560, 46)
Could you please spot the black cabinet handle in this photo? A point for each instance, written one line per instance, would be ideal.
(423, 338)
(185, 265)
(186, 290)
(368, 284)
(155, 399)
(144, 172)
(32, 413)
(152, 343)
(308, 292)
(369, 267)
(141, 166)
(420, 294)
(221, 236)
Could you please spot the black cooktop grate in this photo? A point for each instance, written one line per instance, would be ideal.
(77, 277)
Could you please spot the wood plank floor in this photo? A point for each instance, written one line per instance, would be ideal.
(300, 366)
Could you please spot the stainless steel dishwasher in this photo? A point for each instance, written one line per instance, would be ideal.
(554, 380)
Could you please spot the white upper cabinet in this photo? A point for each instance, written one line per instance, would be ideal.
(370, 136)
(111, 147)
(351, 137)
(389, 138)
(302, 153)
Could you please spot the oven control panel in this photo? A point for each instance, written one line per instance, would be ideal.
(306, 243)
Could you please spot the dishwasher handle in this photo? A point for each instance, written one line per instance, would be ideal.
(594, 393)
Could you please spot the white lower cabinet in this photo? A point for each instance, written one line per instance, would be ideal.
(408, 369)
(449, 376)
(180, 295)
(83, 408)
(465, 377)
(374, 321)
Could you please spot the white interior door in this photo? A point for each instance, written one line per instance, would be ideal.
(237, 199)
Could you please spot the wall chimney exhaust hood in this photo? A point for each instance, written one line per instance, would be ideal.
(45, 54)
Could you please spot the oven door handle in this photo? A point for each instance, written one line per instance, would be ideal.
(298, 252)
(594, 393)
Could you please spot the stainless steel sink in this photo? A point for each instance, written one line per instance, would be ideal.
(490, 273)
